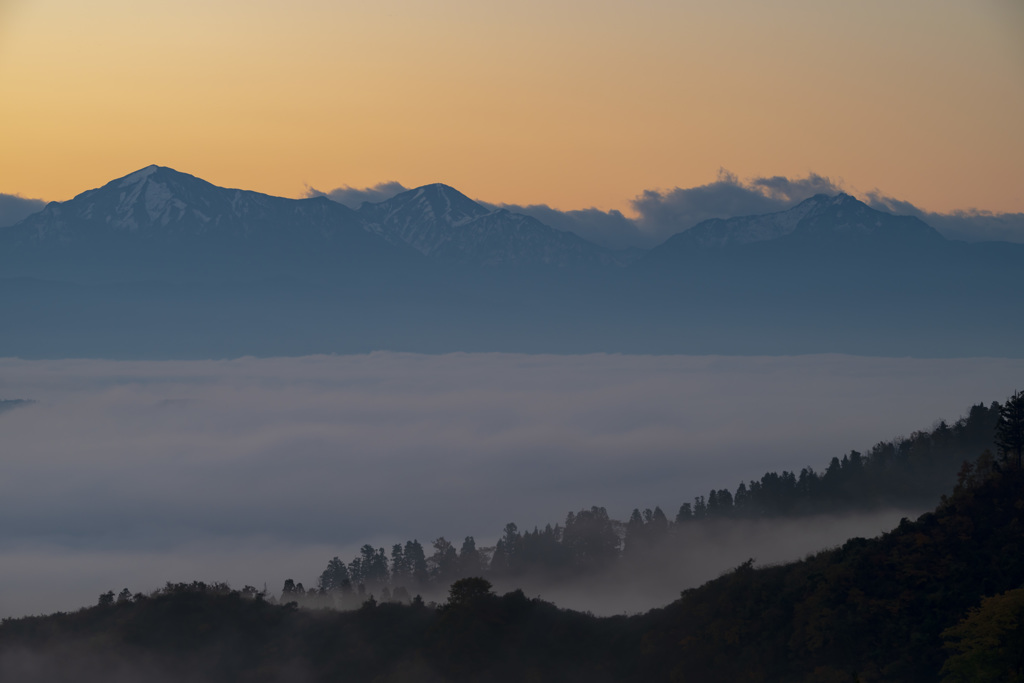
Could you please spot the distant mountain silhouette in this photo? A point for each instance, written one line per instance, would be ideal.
(162, 264)
(439, 221)
(839, 219)
(160, 222)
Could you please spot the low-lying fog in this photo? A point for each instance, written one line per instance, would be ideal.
(130, 474)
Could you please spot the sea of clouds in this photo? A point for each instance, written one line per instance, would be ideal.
(131, 474)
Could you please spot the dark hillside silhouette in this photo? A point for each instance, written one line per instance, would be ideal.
(902, 608)
(912, 472)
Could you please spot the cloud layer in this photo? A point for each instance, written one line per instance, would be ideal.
(121, 466)
(972, 225)
(14, 208)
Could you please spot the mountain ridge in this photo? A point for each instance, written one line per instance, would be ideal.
(162, 204)
(435, 220)
(163, 263)
(816, 217)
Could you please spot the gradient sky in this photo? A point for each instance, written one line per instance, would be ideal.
(571, 103)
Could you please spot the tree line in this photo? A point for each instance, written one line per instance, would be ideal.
(938, 598)
(905, 471)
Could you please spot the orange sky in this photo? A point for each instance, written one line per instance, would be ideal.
(572, 103)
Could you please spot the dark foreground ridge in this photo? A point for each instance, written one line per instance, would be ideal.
(873, 610)
(937, 598)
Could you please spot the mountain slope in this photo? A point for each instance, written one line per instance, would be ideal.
(841, 219)
(158, 223)
(441, 222)
(432, 270)
(162, 204)
(872, 611)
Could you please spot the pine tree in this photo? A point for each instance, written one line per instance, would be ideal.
(1010, 429)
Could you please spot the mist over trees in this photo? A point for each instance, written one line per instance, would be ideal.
(935, 599)
(905, 472)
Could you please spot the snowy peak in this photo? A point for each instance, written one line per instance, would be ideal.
(444, 203)
(819, 219)
(159, 203)
(441, 222)
(137, 176)
(430, 205)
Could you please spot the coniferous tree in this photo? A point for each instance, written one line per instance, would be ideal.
(590, 539)
(471, 562)
(335, 578)
(1010, 430)
(685, 513)
(444, 561)
(417, 562)
(401, 572)
(634, 532)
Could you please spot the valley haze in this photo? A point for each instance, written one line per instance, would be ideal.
(134, 473)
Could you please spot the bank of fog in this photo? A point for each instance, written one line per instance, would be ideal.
(637, 579)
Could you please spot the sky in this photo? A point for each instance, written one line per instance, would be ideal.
(562, 103)
(131, 474)
(622, 121)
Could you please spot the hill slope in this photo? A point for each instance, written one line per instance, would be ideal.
(873, 610)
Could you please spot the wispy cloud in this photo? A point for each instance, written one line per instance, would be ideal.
(664, 213)
(354, 197)
(608, 228)
(659, 214)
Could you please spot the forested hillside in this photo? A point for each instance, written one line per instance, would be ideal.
(896, 608)
(936, 598)
(904, 473)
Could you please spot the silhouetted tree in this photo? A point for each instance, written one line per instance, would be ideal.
(685, 513)
(634, 532)
(335, 579)
(374, 565)
(417, 561)
(445, 561)
(506, 560)
(401, 572)
(465, 592)
(1010, 429)
(470, 560)
(590, 538)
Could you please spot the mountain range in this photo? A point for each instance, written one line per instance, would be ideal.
(163, 264)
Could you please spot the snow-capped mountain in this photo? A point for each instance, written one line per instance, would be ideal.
(160, 223)
(160, 206)
(441, 222)
(158, 203)
(819, 218)
(163, 264)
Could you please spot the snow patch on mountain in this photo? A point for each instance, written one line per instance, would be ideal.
(821, 216)
(138, 176)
